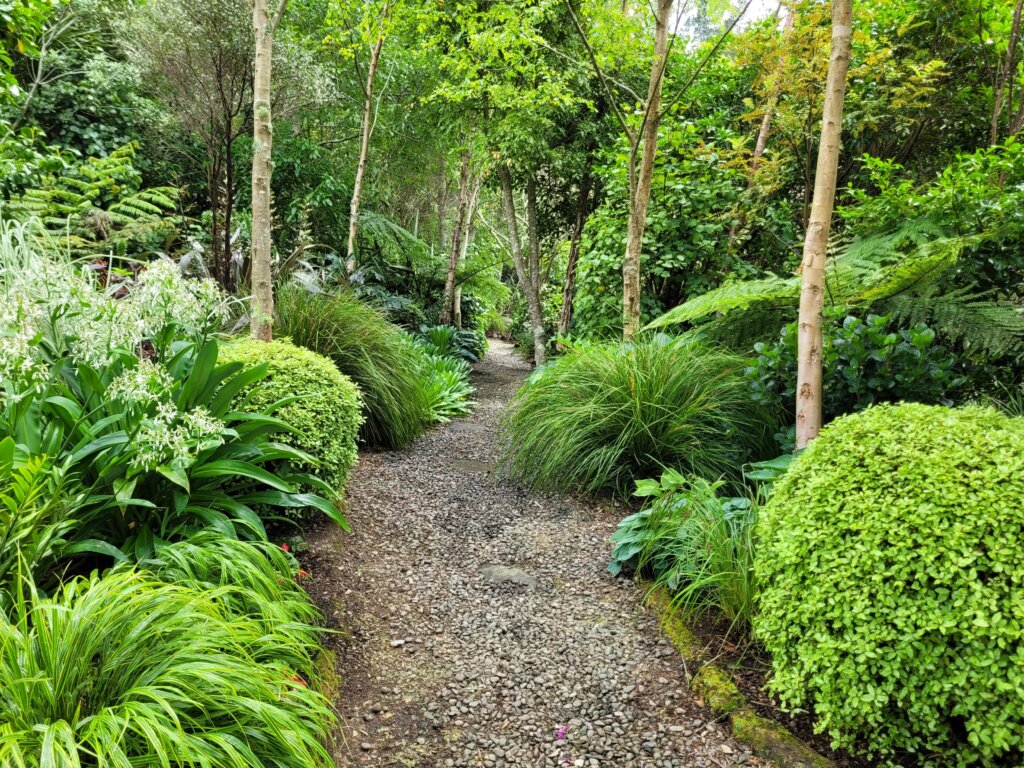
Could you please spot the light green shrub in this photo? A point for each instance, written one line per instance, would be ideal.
(891, 569)
(327, 413)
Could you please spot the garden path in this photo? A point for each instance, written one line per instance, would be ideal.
(478, 625)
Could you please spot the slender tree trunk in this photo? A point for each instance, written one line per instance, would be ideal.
(569, 285)
(364, 149)
(466, 238)
(641, 193)
(812, 289)
(770, 107)
(525, 281)
(448, 299)
(228, 199)
(261, 318)
(533, 232)
(442, 206)
(213, 182)
(1007, 74)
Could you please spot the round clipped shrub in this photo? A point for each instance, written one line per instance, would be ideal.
(327, 413)
(891, 566)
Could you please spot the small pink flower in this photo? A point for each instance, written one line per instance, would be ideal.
(561, 732)
(286, 548)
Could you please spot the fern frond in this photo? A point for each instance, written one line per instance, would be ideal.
(759, 294)
(977, 322)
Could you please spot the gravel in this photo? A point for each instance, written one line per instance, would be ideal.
(478, 626)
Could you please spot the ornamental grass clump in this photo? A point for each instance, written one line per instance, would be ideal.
(369, 350)
(890, 569)
(604, 415)
(126, 670)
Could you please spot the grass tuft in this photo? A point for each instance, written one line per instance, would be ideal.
(604, 415)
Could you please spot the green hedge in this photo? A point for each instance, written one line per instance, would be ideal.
(327, 414)
(891, 566)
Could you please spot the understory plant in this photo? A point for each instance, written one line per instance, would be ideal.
(467, 344)
(604, 415)
(890, 569)
(446, 386)
(864, 361)
(36, 505)
(366, 348)
(118, 385)
(125, 669)
(306, 391)
(696, 544)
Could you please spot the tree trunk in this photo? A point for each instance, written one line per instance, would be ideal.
(442, 205)
(640, 195)
(213, 182)
(569, 286)
(228, 200)
(770, 107)
(525, 281)
(809, 353)
(261, 314)
(364, 149)
(533, 232)
(448, 299)
(1007, 74)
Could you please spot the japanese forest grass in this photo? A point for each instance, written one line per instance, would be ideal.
(603, 415)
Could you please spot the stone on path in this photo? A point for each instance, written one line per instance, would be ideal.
(507, 574)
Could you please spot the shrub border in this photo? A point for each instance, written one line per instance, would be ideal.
(713, 685)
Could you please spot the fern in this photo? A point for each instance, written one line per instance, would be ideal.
(904, 270)
(98, 207)
(994, 328)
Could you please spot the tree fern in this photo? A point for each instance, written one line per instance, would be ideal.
(995, 328)
(98, 206)
(904, 269)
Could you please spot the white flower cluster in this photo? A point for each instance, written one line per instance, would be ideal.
(20, 368)
(44, 296)
(162, 296)
(144, 384)
(174, 439)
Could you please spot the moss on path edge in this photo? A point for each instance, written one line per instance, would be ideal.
(765, 738)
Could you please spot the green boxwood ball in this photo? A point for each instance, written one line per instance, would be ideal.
(327, 414)
(891, 566)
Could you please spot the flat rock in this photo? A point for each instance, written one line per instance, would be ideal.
(508, 574)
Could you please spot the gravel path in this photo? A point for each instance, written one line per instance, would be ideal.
(479, 627)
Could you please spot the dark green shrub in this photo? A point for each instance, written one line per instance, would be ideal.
(467, 344)
(446, 386)
(865, 362)
(127, 670)
(326, 410)
(604, 415)
(367, 349)
(890, 566)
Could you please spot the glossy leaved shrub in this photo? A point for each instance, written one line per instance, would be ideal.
(890, 567)
(325, 412)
